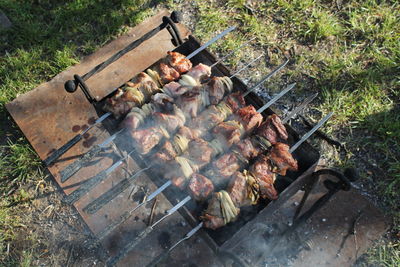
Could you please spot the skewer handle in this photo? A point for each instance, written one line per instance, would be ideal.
(62, 150)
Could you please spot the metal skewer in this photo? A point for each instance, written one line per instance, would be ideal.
(213, 40)
(200, 225)
(62, 150)
(93, 181)
(79, 163)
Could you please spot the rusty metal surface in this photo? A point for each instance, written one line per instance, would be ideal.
(324, 240)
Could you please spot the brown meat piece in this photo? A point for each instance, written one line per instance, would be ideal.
(199, 152)
(282, 159)
(217, 87)
(200, 72)
(250, 118)
(146, 139)
(228, 133)
(273, 130)
(212, 217)
(265, 178)
(200, 187)
(223, 168)
(248, 149)
(179, 62)
(167, 74)
(237, 189)
(192, 102)
(144, 83)
(171, 122)
(207, 119)
(235, 101)
(166, 153)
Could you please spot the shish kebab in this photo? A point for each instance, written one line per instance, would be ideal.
(279, 133)
(121, 104)
(187, 135)
(198, 151)
(157, 133)
(127, 214)
(243, 190)
(63, 149)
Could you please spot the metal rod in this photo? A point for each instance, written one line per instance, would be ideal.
(213, 40)
(92, 182)
(276, 98)
(246, 66)
(299, 108)
(308, 134)
(62, 150)
(74, 167)
(230, 53)
(267, 77)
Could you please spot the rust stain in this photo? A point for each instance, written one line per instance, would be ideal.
(76, 128)
(91, 120)
(89, 142)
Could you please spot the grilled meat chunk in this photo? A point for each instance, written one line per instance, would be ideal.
(273, 130)
(248, 148)
(196, 75)
(282, 159)
(249, 117)
(146, 139)
(213, 217)
(218, 87)
(223, 168)
(237, 189)
(262, 172)
(193, 101)
(200, 187)
(179, 62)
(133, 94)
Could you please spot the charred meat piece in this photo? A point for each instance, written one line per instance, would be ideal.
(228, 132)
(196, 76)
(282, 159)
(249, 117)
(262, 172)
(213, 217)
(200, 187)
(217, 87)
(175, 89)
(235, 101)
(207, 120)
(237, 189)
(171, 121)
(220, 211)
(193, 101)
(248, 149)
(273, 130)
(223, 168)
(146, 139)
(179, 62)
(199, 152)
(131, 95)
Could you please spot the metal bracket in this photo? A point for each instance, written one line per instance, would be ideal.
(167, 22)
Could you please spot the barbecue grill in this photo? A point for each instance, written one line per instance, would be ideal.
(50, 117)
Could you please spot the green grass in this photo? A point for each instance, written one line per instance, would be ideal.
(349, 51)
